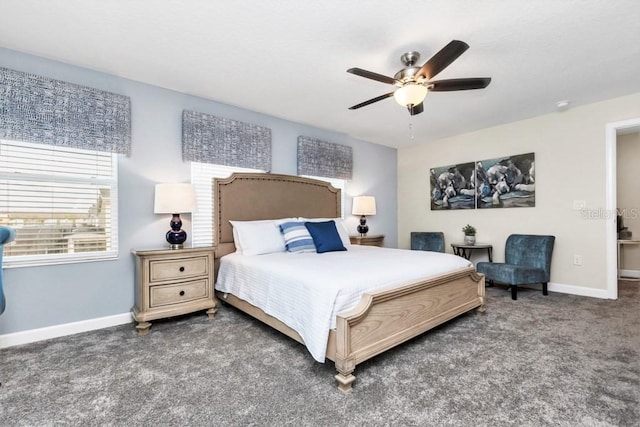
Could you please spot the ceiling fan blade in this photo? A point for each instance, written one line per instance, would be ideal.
(416, 109)
(442, 59)
(371, 75)
(460, 84)
(371, 101)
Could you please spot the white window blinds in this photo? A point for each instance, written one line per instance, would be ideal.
(61, 201)
(202, 175)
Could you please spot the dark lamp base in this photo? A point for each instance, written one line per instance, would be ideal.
(176, 236)
(363, 228)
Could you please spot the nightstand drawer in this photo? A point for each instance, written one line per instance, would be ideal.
(178, 293)
(178, 268)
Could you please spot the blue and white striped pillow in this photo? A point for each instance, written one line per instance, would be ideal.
(297, 238)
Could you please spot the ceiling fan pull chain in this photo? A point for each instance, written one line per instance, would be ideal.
(411, 135)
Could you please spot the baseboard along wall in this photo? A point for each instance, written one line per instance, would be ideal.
(41, 334)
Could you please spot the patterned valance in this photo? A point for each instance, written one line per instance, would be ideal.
(222, 141)
(47, 111)
(325, 159)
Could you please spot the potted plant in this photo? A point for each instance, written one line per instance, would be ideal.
(469, 234)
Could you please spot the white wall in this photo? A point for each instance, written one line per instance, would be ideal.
(569, 151)
(41, 297)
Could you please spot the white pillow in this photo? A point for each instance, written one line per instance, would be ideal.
(258, 237)
(236, 239)
(342, 229)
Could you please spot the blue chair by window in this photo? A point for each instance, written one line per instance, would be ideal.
(6, 235)
(527, 261)
(427, 241)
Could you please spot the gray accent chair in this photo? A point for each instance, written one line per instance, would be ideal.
(427, 241)
(6, 235)
(527, 261)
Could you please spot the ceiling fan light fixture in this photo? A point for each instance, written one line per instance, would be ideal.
(410, 94)
(413, 82)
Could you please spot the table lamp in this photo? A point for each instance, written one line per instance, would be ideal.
(175, 199)
(363, 205)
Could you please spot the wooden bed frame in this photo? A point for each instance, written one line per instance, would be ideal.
(381, 320)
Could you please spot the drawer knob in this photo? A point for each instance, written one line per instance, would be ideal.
(181, 269)
(181, 293)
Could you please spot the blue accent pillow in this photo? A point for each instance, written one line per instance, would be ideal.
(325, 236)
(297, 237)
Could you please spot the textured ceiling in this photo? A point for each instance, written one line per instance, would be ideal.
(288, 58)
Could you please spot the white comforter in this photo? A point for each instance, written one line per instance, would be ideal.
(306, 291)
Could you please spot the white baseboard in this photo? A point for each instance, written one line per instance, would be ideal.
(635, 274)
(571, 290)
(40, 334)
(577, 290)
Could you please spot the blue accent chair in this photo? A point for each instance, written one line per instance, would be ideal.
(427, 241)
(527, 261)
(6, 235)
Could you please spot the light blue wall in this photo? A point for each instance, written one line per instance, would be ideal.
(44, 296)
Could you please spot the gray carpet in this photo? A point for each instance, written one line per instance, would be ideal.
(559, 360)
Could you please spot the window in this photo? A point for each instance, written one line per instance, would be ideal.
(202, 175)
(61, 201)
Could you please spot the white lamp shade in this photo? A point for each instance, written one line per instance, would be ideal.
(364, 205)
(410, 94)
(174, 198)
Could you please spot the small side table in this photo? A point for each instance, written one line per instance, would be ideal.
(464, 250)
(171, 282)
(373, 240)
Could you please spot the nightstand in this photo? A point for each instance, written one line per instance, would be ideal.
(374, 240)
(171, 282)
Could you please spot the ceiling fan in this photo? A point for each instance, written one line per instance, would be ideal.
(414, 82)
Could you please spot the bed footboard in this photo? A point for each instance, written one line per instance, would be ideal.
(384, 319)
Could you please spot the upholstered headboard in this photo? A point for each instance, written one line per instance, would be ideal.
(256, 196)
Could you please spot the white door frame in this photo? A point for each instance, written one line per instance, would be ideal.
(611, 138)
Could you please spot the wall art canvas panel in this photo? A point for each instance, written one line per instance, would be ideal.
(506, 182)
(39, 109)
(222, 141)
(453, 187)
(326, 159)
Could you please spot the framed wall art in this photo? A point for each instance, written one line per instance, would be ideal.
(452, 187)
(506, 182)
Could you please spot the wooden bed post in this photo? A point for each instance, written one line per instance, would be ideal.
(481, 292)
(345, 378)
(345, 363)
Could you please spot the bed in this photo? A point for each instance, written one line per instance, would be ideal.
(382, 318)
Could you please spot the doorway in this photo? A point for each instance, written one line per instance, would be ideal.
(613, 130)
